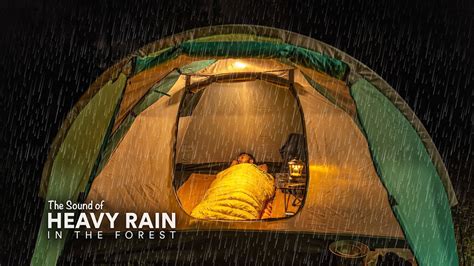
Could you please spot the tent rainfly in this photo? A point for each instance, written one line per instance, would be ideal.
(372, 168)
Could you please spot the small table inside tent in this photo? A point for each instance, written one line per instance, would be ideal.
(294, 187)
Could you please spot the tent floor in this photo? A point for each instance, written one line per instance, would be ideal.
(215, 248)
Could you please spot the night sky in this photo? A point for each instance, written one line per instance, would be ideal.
(51, 51)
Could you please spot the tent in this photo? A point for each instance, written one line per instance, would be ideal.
(196, 98)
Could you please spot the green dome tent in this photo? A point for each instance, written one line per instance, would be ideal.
(372, 169)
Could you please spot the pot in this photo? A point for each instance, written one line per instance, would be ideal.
(348, 252)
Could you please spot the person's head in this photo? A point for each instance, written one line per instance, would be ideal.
(245, 158)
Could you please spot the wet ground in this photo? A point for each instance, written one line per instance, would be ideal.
(463, 217)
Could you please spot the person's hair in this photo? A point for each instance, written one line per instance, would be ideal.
(250, 155)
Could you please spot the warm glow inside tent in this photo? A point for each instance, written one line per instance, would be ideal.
(153, 131)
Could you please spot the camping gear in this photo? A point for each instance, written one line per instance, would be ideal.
(390, 259)
(348, 252)
(390, 256)
(296, 168)
(192, 100)
(294, 147)
(238, 193)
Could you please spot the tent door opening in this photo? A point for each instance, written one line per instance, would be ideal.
(256, 116)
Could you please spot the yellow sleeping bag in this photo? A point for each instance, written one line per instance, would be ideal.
(238, 193)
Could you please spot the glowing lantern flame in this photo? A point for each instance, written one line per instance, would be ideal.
(239, 65)
(296, 168)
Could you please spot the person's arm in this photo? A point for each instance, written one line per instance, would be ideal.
(263, 167)
(267, 212)
(234, 162)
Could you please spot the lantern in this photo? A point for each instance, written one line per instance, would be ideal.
(296, 168)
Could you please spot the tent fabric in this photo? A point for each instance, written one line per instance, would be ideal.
(345, 195)
(112, 73)
(357, 71)
(334, 88)
(140, 84)
(239, 65)
(338, 89)
(112, 143)
(409, 174)
(143, 63)
(327, 209)
(237, 38)
(326, 93)
(145, 162)
(409, 114)
(156, 92)
(308, 58)
(224, 66)
(252, 116)
(75, 160)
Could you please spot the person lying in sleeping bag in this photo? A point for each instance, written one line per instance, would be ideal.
(243, 191)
